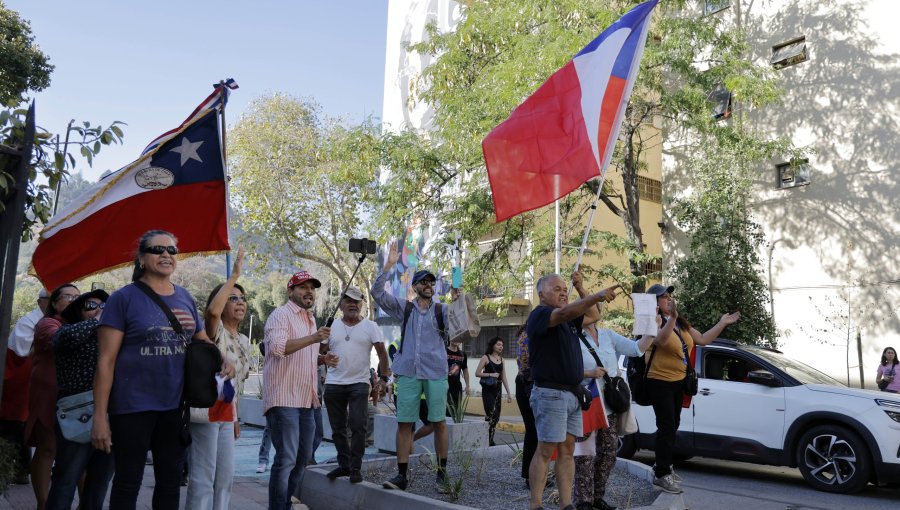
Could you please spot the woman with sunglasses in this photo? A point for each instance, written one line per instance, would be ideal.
(140, 375)
(40, 429)
(214, 430)
(75, 348)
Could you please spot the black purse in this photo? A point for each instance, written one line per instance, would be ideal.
(616, 393)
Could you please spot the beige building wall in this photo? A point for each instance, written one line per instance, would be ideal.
(831, 242)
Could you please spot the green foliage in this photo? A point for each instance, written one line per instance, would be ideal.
(496, 57)
(52, 160)
(25, 67)
(303, 181)
(721, 273)
(458, 409)
(9, 455)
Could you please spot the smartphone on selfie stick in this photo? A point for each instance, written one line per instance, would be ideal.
(364, 247)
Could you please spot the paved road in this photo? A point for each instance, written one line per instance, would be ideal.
(711, 484)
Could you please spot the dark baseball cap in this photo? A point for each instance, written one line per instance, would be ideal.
(658, 289)
(423, 274)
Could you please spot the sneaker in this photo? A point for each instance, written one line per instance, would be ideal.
(601, 504)
(337, 472)
(667, 484)
(355, 476)
(676, 476)
(397, 483)
(261, 467)
(297, 505)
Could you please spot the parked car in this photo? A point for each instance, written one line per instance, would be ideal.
(757, 405)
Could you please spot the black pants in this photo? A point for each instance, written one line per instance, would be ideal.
(132, 435)
(523, 395)
(665, 397)
(490, 397)
(454, 396)
(348, 411)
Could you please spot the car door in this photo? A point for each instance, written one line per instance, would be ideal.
(732, 417)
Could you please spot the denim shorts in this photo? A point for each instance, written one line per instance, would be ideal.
(556, 413)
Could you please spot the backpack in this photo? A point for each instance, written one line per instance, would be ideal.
(637, 369)
(438, 315)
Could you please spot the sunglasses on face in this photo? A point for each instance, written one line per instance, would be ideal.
(237, 299)
(159, 249)
(93, 305)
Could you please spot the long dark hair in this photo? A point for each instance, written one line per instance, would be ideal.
(490, 345)
(884, 358)
(143, 244)
(54, 297)
(216, 290)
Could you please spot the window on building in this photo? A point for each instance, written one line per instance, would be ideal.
(721, 98)
(714, 6)
(654, 266)
(649, 189)
(475, 348)
(790, 53)
(793, 174)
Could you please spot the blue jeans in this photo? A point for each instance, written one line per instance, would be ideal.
(73, 459)
(265, 446)
(319, 434)
(292, 431)
(212, 466)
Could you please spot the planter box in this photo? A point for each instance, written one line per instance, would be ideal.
(469, 435)
(250, 411)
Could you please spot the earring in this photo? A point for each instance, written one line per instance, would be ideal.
(142, 266)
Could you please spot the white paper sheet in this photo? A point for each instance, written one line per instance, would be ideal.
(644, 314)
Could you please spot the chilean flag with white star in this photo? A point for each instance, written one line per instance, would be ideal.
(564, 134)
(178, 186)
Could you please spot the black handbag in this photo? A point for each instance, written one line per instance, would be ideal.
(637, 371)
(616, 393)
(691, 384)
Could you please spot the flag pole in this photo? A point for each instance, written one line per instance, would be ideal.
(590, 223)
(556, 245)
(225, 166)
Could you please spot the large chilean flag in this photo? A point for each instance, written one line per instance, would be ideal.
(178, 186)
(565, 133)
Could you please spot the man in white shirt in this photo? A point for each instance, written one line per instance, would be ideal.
(347, 385)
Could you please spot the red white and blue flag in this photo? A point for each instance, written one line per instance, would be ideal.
(178, 186)
(564, 134)
(595, 417)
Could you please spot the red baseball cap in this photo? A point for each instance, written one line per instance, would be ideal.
(302, 276)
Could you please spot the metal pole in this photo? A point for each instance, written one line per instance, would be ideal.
(556, 244)
(225, 168)
(590, 223)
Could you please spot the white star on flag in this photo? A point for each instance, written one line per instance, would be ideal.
(188, 150)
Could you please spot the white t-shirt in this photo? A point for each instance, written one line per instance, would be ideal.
(353, 345)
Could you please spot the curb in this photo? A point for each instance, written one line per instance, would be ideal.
(320, 493)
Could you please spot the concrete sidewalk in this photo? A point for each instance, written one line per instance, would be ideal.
(251, 489)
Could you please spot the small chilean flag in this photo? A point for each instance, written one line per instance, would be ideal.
(178, 186)
(595, 417)
(564, 134)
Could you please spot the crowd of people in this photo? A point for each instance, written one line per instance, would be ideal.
(126, 352)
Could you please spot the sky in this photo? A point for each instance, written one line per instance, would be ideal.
(149, 64)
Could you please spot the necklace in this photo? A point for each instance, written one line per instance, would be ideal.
(349, 330)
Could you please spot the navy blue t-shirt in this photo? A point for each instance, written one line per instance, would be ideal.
(554, 352)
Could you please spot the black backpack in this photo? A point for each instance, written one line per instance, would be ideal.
(637, 368)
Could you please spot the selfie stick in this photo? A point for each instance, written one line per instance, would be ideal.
(330, 320)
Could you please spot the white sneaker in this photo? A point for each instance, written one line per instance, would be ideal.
(261, 468)
(676, 476)
(667, 484)
(297, 505)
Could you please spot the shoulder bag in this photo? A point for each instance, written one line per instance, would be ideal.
(691, 383)
(616, 393)
(637, 371)
(75, 415)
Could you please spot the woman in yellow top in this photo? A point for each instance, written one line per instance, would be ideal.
(665, 379)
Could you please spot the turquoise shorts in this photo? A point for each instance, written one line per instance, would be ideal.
(409, 392)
